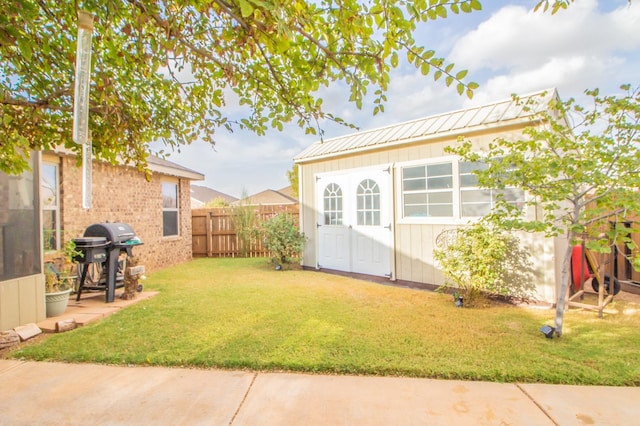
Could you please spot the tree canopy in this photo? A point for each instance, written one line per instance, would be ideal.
(165, 70)
(580, 168)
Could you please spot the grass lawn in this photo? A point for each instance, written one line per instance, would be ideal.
(240, 313)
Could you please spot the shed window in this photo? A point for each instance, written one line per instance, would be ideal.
(368, 199)
(169, 209)
(427, 190)
(477, 202)
(449, 190)
(333, 204)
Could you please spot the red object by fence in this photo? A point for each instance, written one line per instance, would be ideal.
(579, 266)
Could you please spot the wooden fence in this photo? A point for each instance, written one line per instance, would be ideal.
(623, 268)
(214, 231)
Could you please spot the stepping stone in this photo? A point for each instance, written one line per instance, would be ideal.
(28, 331)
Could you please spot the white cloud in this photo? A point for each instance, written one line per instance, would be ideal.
(517, 38)
(571, 74)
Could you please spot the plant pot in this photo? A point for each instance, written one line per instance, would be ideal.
(56, 303)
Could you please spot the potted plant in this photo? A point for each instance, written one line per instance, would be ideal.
(59, 280)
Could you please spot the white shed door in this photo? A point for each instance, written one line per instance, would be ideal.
(334, 251)
(354, 221)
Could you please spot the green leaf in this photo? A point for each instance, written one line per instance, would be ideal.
(394, 59)
(25, 48)
(246, 9)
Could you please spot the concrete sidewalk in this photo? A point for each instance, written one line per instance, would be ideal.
(78, 394)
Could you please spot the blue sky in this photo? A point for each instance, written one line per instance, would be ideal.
(506, 48)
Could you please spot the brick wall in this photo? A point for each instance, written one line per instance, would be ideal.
(122, 194)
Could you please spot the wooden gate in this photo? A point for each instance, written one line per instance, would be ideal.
(214, 231)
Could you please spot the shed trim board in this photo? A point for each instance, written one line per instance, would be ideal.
(339, 243)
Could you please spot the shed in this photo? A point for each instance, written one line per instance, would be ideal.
(373, 202)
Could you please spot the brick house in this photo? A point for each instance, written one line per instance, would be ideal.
(158, 210)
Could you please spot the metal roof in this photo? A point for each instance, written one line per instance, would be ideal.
(492, 115)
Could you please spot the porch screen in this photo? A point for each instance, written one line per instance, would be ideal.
(20, 236)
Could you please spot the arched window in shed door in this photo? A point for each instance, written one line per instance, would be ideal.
(333, 204)
(368, 207)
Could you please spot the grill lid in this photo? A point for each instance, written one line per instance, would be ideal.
(90, 241)
(114, 232)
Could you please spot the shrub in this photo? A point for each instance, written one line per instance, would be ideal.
(283, 239)
(479, 259)
(246, 223)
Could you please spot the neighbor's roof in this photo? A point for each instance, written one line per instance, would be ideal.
(497, 114)
(206, 194)
(268, 197)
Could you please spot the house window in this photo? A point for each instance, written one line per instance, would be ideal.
(169, 209)
(449, 190)
(333, 204)
(427, 190)
(368, 199)
(50, 199)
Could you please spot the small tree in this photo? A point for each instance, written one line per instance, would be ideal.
(565, 166)
(283, 239)
(481, 259)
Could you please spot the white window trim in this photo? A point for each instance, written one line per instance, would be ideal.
(457, 218)
(56, 208)
(172, 209)
(334, 213)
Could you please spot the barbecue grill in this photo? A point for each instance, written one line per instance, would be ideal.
(102, 243)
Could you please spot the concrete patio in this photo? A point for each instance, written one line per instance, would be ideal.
(91, 307)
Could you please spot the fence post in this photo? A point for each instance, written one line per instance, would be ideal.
(208, 230)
